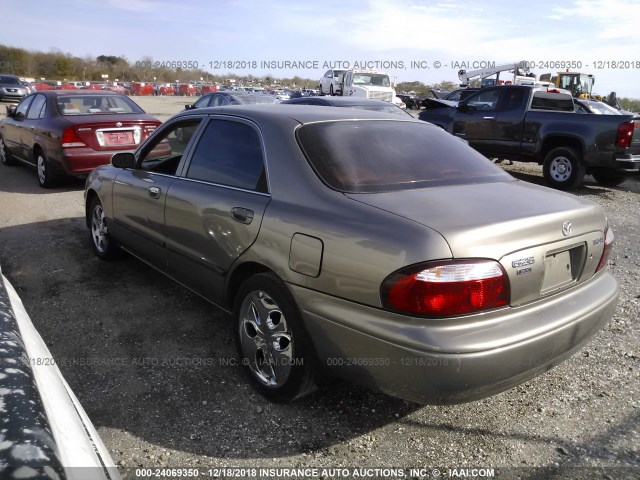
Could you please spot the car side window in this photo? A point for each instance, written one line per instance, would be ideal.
(229, 153)
(37, 108)
(164, 153)
(487, 100)
(23, 106)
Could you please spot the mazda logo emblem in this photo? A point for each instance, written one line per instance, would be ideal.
(566, 229)
(119, 124)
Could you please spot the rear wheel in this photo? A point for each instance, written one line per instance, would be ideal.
(608, 179)
(563, 168)
(271, 339)
(5, 155)
(45, 176)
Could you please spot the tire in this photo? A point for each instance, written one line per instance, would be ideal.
(104, 246)
(608, 179)
(45, 176)
(320, 90)
(271, 340)
(563, 168)
(5, 156)
(331, 90)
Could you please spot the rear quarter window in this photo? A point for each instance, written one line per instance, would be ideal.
(552, 101)
(359, 156)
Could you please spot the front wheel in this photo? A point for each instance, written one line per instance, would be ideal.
(271, 339)
(103, 245)
(5, 155)
(563, 168)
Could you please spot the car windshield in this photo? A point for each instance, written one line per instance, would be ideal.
(96, 105)
(7, 80)
(603, 109)
(252, 98)
(365, 156)
(377, 79)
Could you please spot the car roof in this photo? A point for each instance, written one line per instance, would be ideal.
(78, 91)
(294, 113)
(337, 101)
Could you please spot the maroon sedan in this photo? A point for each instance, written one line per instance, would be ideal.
(71, 132)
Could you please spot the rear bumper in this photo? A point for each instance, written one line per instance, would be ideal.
(454, 360)
(627, 163)
(80, 161)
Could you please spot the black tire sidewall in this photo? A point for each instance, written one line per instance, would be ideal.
(300, 381)
(577, 168)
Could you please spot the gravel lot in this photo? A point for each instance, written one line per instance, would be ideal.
(154, 365)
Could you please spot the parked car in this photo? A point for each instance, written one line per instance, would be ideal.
(331, 82)
(351, 102)
(11, 88)
(141, 88)
(358, 244)
(71, 132)
(185, 90)
(538, 124)
(46, 433)
(231, 97)
(584, 105)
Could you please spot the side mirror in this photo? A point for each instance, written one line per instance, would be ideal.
(123, 160)
(189, 106)
(463, 107)
(11, 110)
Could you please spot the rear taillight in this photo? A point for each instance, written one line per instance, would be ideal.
(70, 138)
(625, 134)
(608, 245)
(447, 288)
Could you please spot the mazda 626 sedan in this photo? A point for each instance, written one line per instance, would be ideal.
(380, 250)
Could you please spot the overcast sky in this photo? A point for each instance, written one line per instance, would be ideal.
(456, 33)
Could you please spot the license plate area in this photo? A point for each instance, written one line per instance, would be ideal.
(562, 268)
(118, 136)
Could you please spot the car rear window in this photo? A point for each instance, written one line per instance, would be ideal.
(362, 156)
(96, 104)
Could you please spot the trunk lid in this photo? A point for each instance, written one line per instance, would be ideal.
(546, 240)
(111, 132)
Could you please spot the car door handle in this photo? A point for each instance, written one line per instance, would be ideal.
(242, 215)
(154, 192)
(488, 118)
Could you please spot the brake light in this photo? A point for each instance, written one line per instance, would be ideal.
(447, 288)
(70, 138)
(553, 90)
(625, 134)
(608, 245)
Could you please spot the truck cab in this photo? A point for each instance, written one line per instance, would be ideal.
(369, 84)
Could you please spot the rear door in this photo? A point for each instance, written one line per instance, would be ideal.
(139, 194)
(31, 125)
(214, 211)
(509, 120)
(475, 120)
